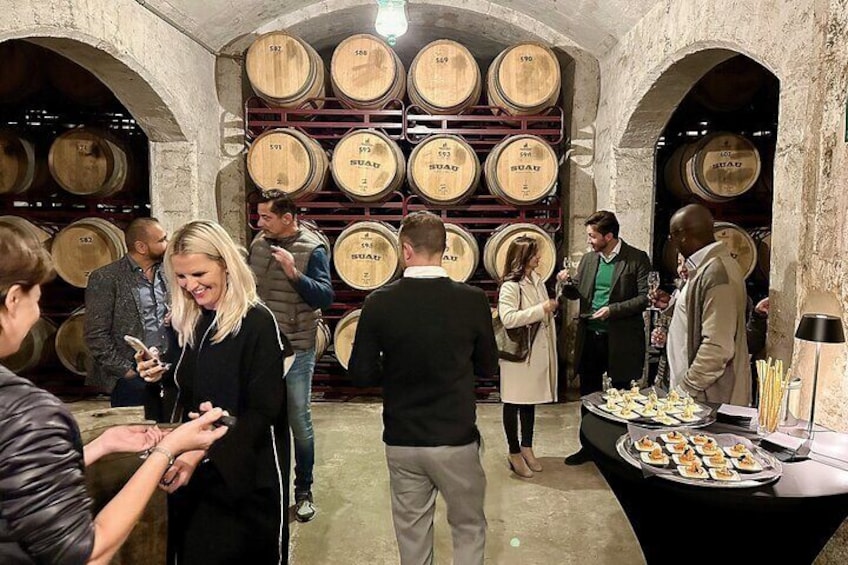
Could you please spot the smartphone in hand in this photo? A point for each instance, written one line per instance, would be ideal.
(139, 347)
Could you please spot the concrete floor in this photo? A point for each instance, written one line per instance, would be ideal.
(562, 515)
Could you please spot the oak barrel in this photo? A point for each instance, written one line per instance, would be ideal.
(461, 253)
(522, 170)
(494, 252)
(36, 349)
(344, 335)
(88, 162)
(524, 79)
(368, 166)
(739, 243)
(27, 229)
(365, 255)
(443, 169)
(366, 72)
(717, 168)
(284, 70)
(322, 339)
(21, 167)
(22, 74)
(86, 245)
(76, 83)
(70, 343)
(289, 161)
(444, 78)
(147, 543)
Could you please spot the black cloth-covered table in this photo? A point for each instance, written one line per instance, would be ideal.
(788, 521)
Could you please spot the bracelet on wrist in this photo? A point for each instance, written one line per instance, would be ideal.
(165, 452)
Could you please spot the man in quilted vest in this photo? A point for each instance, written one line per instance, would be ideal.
(293, 279)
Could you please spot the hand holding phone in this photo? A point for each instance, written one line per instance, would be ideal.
(146, 354)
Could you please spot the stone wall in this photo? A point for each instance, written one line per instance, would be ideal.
(802, 44)
(163, 78)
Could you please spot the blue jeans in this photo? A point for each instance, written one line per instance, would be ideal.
(299, 388)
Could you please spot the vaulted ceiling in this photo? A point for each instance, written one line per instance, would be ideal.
(590, 25)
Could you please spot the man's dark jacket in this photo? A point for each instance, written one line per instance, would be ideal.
(628, 300)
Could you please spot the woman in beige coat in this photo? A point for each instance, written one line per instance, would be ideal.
(523, 301)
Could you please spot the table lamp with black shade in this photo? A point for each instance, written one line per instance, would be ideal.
(819, 329)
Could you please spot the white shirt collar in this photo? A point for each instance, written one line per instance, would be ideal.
(695, 260)
(616, 250)
(424, 272)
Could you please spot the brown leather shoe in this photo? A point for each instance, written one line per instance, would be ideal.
(518, 466)
(530, 458)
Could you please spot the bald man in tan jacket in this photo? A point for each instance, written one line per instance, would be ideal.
(707, 346)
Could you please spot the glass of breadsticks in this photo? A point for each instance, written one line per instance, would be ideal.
(773, 384)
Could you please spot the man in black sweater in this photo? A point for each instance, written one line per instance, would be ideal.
(423, 338)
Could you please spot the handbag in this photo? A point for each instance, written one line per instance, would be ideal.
(513, 343)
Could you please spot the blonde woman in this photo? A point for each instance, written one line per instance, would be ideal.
(523, 301)
(43, 501)
(226, 504)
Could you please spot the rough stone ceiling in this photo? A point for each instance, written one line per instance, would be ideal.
(591, 25)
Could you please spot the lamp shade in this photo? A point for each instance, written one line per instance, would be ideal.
(820, 328)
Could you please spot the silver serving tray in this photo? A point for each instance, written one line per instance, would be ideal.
(625, 449)
(592, 407)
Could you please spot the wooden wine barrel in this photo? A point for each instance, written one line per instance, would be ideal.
(22, 74)
(147, 543)
(284, 70)
(344, 335)
(70, 343)
(76, 83)
(87, 162)
(21, 168)
(36, 349)
(366, 255)
(524, 79)
(522, 170)
(718, 168)
(86, 245)
(444, 78)
(322, 339)
(738, 241)
(27, 229)
(494, 252)
(443, 169)
(366, 72)
(368, 166)
(461, 253)
(288, 160)
(730, 85)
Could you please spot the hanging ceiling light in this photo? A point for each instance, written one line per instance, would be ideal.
(391, 19)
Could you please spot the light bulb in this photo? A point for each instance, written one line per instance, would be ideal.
(391, 19)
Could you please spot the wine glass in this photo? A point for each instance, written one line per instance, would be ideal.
(653, 285)
(570, 265)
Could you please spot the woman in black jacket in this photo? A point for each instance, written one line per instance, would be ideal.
(226, 504)
(46, 515)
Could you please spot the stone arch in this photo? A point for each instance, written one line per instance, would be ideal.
(135, 89)
(632, 169)
(174, 144)
(632, 152)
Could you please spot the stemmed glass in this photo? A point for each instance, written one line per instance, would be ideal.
(570, 264)
(653, 286)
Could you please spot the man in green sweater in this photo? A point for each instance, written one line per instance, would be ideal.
(612, 287)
